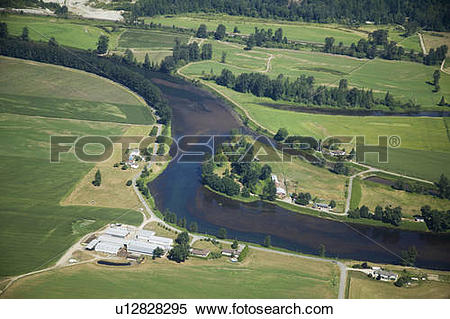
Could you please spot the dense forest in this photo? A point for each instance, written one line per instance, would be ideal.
(302, 90)
(429, 14)
(113, 68)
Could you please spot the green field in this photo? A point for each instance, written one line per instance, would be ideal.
(150, 39)
(405, 80)
(374, 194)
(362, 287)
(261, 275)
(35, 89)
(74, 33)
(307, 178)
(355, 200)
(34, 229)
(308, 32)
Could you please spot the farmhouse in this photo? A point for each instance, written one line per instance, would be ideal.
(200, 252)
(132, 155)
(281, 192)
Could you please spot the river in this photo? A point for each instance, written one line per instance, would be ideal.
(178, 188)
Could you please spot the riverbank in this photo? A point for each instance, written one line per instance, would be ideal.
(405, 225)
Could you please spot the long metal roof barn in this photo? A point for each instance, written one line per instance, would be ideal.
(117, 231)
(109, 248)
(141, 247)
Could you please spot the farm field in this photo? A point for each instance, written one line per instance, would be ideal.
(147, 39)
(308, 32)
(405, 80)
(374, 194)
(436, 39)
(32, 221)
(307, 178)
(74, 33)
(261, 275)
(46, 92)
(362, 287)
(114, 193)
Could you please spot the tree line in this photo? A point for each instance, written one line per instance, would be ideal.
(429, 14)
(111, 67)
(387, 215)
(390, 49)
(302, 90)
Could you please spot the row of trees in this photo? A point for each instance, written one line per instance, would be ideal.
(436, 221)
(430, 14)
(389, 215)
(112, 67)
(390, 50)
(302, 90)
(172, 218)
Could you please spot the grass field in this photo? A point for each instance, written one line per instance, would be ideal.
(405, 80)
(261, 275)
(113, 192)
(355, 200)
(33, 88)
(307, 32)
(150, 39)
(374, 194)
(362, 287)
(34, 229)
(304, 177)
(74, 33)
(436, 39)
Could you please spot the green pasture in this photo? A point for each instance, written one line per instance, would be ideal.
(374, 194)
(420, 133)
(426, 164)
(150, 39)
(261, 275)
(407, 81)
(308, 32)
(34, 229)
(356, 193)
(32, 88)
(73, 33)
